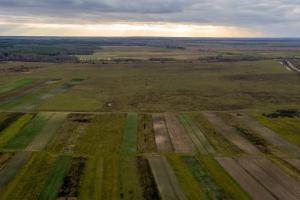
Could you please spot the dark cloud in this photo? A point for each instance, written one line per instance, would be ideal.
(272, 16)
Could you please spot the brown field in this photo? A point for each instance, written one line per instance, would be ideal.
(249, 184)
(231, 134)
(270, 135)
(180, 140)
(270, 182)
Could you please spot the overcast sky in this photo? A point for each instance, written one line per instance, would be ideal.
(200, 18)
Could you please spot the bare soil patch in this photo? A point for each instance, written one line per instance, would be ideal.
(162, 138)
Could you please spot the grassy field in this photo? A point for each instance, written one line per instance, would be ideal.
(15, 85)
(29, 181)
(154, 87)
(129, 144)
(103, 135)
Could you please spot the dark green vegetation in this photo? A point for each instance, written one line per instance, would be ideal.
(55, 178)
(109, 119)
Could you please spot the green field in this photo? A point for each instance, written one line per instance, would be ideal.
(15, 85)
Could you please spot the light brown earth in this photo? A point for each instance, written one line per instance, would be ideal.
(291, 184)
(269, 182)
(270, 135)
(165, 177)
(247, 182)
(294, 162)
(162, 138)
(230, 133)
(180, 140)
(12, 167)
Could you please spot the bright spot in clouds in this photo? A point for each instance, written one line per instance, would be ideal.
(129, 29)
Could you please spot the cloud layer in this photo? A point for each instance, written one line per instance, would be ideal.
(270, 17)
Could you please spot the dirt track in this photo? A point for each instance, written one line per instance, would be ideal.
(165, 178)
(231, 133)
(12, 167)
(162, 138)
(180, 140)
(270, 135)
(255, 190)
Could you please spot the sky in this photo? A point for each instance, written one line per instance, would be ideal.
(176, 18)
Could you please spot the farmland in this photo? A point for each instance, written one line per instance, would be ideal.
(199, 120)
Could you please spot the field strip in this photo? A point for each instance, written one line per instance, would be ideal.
(204, 178)
(71, 183)
(12, 167)
(14, 129)
(287, 181)
(47, 132)
(14, 95)
(265, 179)
(17, 88)
(231, 133)
(180, 140)
(293, 162)
(91, 185)
(147, 181)
(8, 119)
(254, 189)
(270, 135)
(196, 135)
(146, 137)
(28, 132)
(33, 104)
(129, 189)
(129, 144)
(165, 178)
(162, 138)
(55, 178)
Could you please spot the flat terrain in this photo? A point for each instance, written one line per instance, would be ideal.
(153, 119)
